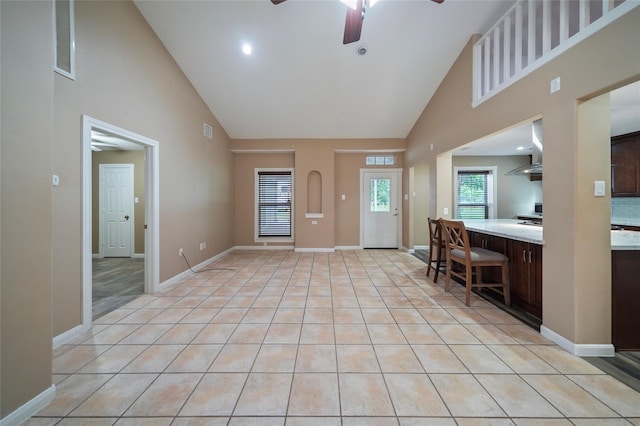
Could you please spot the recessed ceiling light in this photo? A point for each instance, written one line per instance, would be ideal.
(520, 148)
(247, 49)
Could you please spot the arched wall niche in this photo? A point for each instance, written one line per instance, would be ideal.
(314, 192)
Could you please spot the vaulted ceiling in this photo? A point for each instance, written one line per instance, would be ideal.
(300, 81)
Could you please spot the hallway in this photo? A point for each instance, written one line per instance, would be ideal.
(346, 338)
(116, 282)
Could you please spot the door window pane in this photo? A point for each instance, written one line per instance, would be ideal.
(380, 195)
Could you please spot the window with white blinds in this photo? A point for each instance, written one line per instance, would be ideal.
(474, 194)
(274, 189)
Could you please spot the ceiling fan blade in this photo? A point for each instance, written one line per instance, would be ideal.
(436, 1)
(353, 23)
(277, 1)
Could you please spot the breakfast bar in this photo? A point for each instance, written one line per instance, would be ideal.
(522, 242)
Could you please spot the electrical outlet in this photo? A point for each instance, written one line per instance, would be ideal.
(201, 246)
(180, 252)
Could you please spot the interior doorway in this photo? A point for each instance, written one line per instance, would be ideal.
(150, 226)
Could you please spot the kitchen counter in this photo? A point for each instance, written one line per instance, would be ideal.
(513, 229)
(506, 228)
(626, 221)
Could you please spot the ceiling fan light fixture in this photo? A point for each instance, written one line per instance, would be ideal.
(362, 50)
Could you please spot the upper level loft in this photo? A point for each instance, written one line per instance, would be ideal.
(532, 33)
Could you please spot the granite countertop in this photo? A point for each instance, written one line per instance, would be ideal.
(511, 228)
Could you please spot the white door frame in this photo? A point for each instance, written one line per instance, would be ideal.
(151, 211)
(398, 173)
(131, 221)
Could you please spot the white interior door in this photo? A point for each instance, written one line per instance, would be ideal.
(116, 208)
(381, 208)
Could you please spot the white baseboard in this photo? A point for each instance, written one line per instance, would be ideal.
(22, 413)
(421, 247)
(133, 256)
(182, 275)
(349, 248)
(263, 247)
(69, 335)
(583, 350)
(315, 250)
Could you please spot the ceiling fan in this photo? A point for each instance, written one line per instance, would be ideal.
(355, 15)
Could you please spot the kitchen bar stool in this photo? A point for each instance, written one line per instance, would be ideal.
(436, 247)
(459, 251)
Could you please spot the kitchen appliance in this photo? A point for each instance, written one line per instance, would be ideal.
(535, 168)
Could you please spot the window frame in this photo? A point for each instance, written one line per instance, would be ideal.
(256, 217)
(71, 73)
(380, 160)
(492, 173)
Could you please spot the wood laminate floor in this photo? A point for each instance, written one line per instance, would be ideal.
(116, 282)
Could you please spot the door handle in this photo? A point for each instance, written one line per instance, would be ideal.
(126, 217)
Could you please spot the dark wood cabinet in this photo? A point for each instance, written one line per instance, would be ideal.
(625, 165)
(625, 300)
(526, 276)
(490, 274)
(525, 269)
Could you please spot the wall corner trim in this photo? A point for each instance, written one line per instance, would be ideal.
(30, 408)
(582, 350)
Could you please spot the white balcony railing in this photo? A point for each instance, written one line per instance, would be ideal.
(533, 32)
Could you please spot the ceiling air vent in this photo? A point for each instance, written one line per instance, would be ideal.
(208, 131)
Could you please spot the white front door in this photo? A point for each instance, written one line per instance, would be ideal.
(116, 210)
(381, 206)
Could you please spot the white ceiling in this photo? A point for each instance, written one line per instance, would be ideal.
(625, 118)
(301, 81)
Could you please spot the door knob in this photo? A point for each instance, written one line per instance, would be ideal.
(126, 217)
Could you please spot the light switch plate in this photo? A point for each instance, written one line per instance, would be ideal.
(598, 188)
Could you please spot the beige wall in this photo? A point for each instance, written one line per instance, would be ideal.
(141, 90)
(244, 189)
(516, 194)
(340, 171)
(25, 198)
(606, 60)
(420, 196)
(119, 157)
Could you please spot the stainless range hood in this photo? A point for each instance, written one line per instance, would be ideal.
(535, 168)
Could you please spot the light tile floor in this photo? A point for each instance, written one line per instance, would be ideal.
(346, 338)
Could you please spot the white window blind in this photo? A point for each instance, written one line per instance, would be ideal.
(274, 203)
(475, 194)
